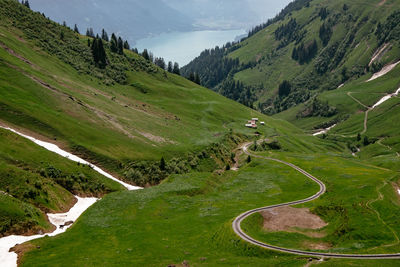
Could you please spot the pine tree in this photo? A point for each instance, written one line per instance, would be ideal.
(98, 52)
(176, 69)
(170, 66)
(162, 164)
(248, 159)
(145, 54)
(120, 46)
(159, 61)
(284, 88)
(26, 3)
(64, 24)
(90, 32)
(76, 28)
(126, 45)
(114, 44)
(104, 35)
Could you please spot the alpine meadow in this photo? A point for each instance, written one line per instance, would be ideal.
(278, 149)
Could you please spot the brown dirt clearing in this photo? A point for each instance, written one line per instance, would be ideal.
(288, 219)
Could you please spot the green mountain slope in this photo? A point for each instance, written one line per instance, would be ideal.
(311, 65)
(315, 45)
(129, 115)
(123, 117)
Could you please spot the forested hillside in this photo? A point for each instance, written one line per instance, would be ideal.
(310, 47)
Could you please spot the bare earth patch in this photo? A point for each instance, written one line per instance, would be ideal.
(289, 219)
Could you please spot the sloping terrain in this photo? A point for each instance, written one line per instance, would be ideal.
(124, 117)
(156, 129)
(314, 45)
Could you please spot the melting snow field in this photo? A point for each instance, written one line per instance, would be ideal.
(384, 71)
(53, 148)
(324, 131)
(386, 98)
(9, 259)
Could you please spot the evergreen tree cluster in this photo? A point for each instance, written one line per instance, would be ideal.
(284, 88)
(288, 33)
(325, 33)
(237, 91)
(176, 70)
(160, 62)
(323, 13)
(90, 33)
(26, 3)
(99, 54)
(194, 77)
(293, 6)
(117, 45)
(318, 108)
(147, 55)
(304, 53)
(390, 29)
(63, 42)
(212, 66)
(104, 36)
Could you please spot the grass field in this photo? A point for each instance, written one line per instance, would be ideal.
(187, 217)
(361, 206)
(128, 126)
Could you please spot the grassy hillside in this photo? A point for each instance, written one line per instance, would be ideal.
(157, 129)
(124, 117)
(315, 45)
(326, 51)
(52, 87)
(34, 181)
(188, 218)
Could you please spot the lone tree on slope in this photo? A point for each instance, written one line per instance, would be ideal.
(176, 69)
(76, 28)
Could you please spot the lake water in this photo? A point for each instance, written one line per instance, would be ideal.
(183, 47)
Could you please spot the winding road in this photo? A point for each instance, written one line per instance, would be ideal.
(238, 220)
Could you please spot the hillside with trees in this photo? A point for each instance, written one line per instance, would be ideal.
(314, 46)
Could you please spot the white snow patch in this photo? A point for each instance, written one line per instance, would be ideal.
(324, 131)
(386, 98)
(54, 148)
(340, 86)
(384, 71)
(9, 259)
(398, 191)
(377, 54)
